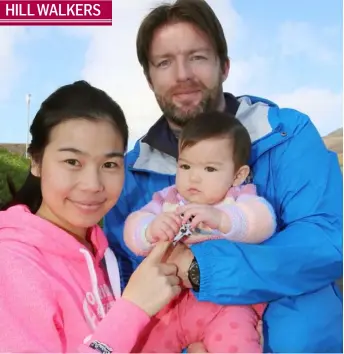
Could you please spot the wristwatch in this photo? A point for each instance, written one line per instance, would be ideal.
(194, 275)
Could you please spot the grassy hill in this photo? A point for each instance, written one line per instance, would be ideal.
(18, 149)
(334, 142)
(14, 166)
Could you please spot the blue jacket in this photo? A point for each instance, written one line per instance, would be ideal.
(296, 269)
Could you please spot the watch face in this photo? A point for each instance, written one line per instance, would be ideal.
(194, 274)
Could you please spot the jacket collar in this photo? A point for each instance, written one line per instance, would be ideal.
(161, 137)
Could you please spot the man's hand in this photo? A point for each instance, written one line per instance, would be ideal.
(209, 215)
(182, 257)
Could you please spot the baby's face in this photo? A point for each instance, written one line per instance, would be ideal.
(205, 171)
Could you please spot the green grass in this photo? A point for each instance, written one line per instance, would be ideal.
(14, 166)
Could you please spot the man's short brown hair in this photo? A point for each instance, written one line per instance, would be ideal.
(197, 12)
(220, 125)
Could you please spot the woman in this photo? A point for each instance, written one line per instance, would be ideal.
(55, 290)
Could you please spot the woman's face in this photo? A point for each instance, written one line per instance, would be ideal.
(82, 174)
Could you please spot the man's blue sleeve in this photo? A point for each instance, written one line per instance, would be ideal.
(306, 254)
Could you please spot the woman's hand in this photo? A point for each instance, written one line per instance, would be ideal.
(182, 257)
(154, 283)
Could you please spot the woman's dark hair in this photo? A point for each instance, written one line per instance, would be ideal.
(218, 125)
(77, 100)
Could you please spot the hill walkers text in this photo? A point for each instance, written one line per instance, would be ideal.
(52, 10)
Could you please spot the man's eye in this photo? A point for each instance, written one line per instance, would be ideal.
(163, 64)
(198, 57)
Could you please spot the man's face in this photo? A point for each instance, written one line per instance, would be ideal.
(185, 72)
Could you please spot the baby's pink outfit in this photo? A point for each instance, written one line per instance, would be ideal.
(222, 329)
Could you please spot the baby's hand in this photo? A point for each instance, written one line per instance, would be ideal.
(164, 227)
(209, 215)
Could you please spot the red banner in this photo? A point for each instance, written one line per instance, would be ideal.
(56, 13)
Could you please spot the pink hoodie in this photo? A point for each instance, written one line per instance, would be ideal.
(55, 295)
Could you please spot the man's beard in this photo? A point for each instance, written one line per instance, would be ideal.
(210, 101)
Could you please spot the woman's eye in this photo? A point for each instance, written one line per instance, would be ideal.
(72, 162)
(111, 165)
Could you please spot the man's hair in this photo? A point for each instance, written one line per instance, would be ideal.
(219, 125)
(196, 12)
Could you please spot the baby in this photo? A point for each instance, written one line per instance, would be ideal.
(208, 201)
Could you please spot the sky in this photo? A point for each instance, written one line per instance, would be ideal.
(289, 52)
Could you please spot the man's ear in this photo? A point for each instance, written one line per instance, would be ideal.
(35, 169)
(241, 175)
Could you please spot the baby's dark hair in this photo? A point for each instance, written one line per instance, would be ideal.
(78, 100)
(218, 125)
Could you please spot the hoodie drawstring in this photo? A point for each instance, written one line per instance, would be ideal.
(113, 272)
(94, 280)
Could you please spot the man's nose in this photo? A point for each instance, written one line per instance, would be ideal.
(183, 70)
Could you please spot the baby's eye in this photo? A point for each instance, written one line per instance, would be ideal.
(210, 169)
(185, 167)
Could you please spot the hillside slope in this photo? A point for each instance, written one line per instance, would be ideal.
(13, 166)
(334, 141)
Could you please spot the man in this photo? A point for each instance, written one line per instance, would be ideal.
(183, 52)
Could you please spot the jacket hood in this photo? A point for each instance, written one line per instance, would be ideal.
(30, 229)
(156, 152)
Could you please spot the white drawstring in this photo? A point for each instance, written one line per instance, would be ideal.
(94, 280)
(113, 272)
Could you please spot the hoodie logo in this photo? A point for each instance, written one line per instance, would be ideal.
(93, 308)
(101, 347)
